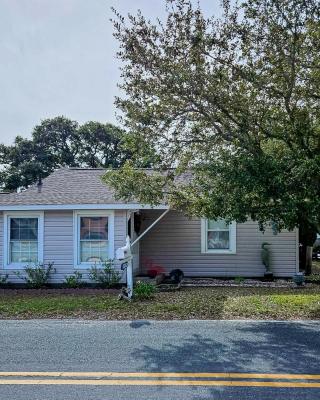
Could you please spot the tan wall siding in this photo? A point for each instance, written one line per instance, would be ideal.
(176, 243)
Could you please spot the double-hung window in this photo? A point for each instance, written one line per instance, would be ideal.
(218, 237)
(23, 237)
(93, 238)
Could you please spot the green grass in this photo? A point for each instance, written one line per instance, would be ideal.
(199, 303)
(315, 275)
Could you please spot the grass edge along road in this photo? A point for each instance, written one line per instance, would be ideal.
(199, 303)
(281, 380)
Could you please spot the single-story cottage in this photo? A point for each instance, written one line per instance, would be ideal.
(73, 219)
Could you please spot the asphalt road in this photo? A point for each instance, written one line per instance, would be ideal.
(93, 349)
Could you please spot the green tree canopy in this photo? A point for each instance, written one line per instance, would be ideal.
(60, 142)
(235, 100)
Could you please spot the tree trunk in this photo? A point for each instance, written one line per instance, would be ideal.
(308, 267)
(307, 237)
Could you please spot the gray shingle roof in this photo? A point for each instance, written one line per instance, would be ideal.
(65, 186)
(69, 186)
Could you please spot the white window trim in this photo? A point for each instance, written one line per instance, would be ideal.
(76, 231)
(232, 239)
(6, 236)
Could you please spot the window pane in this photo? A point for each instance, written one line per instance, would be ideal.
(94, 250)
(218, 240)
(23, 251)
(23, 228)
(94, 228)
(220, 224)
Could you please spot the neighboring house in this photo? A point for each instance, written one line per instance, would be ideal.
(73, 219)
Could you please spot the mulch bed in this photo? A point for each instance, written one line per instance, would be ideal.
(208, 282)
(57, 291)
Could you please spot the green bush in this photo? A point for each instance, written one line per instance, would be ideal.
(239, 279)
(38, 275)
(106, 275)
(3, 280)
(73, 281)
(144, 290)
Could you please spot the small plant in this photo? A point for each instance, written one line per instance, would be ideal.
(239, 279)
(3, 280)
(144, 290)
(74, 281)
(299, 279)
(38, 275)
(106, 276)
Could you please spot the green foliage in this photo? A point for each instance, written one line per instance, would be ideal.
(74, 280)
(60, 142)
(105, 275)
(37, 276)
(144, 290)
(3, 280)
(239, 279)
(235, 100)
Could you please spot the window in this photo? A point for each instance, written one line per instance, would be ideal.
(93, 238)
(218, 236)
(23, 239)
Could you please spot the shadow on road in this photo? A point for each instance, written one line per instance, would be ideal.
(138, 324)
(250, 347)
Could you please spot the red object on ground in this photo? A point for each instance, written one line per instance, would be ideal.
(155, 270)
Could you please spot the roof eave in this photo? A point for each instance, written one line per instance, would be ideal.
(111, 206)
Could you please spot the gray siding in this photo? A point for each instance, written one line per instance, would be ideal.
(175, 242)
(58, 241)
(1, 239)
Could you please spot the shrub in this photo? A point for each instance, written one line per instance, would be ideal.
(239, 279)
(106, 276)
(3, 280)
(74, 281)
(144, 290)
(38, 275)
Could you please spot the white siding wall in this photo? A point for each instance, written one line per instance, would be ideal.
(175, 242)
(58, 241)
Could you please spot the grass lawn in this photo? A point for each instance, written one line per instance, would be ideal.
(316, 267)
(189, 303)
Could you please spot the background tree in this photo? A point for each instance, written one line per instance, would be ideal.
(60, 142)
(236, 101)
(101, 145)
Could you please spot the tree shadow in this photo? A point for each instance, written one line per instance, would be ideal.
(265, 347)
(139, 323)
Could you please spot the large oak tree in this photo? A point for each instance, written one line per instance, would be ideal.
(234, 100)
(60, 142)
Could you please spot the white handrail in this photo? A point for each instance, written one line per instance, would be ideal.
(149, 227)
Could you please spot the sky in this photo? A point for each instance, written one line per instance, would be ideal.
(58, 57)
